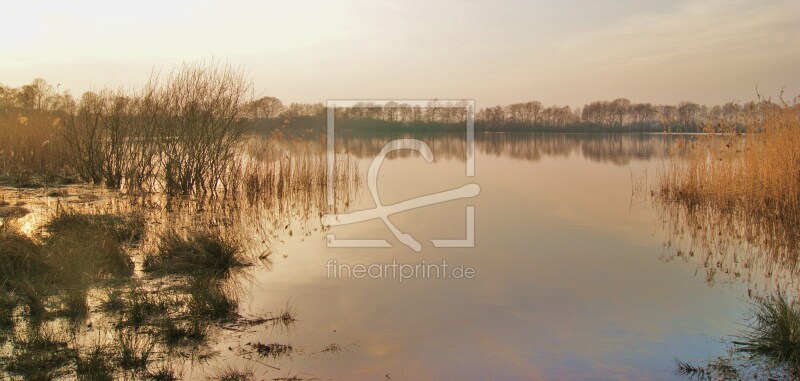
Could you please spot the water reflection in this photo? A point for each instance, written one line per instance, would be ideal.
(619, 149)
(728, 246)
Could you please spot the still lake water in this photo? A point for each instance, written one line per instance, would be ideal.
(576, 274)
(573, 277)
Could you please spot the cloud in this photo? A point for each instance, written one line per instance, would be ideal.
(707, 30)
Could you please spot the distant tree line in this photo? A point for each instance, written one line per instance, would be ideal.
(617, 115)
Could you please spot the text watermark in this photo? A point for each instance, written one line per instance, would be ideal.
(398, 271)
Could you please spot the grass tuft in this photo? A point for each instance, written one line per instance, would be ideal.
(773, 332)
(81, 253)
(39, 354)
(141, 304)
(95, 365)
(20, 256)
(127, 228)
(13, 211)
(233, 374)
(134, 350)
(199, 253)
(165, 372)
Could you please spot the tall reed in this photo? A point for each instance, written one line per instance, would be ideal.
(743, 187)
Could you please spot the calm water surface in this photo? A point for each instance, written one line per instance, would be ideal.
(572, 276)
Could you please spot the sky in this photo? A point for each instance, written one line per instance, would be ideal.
(496, 52)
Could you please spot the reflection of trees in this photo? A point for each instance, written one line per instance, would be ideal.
(614, 148)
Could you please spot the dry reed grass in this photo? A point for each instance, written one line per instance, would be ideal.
(734, 188)
(758, 172)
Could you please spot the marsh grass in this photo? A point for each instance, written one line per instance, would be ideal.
(178, 332)
(75, 303)
(199, 253)
(20, 256)
(24, 270)
(768, 347)
(230, 373)
(51, 274)
(127, 228)
(40, 354)
(78, 267)
(58, 193)
(34, 296)
(114, 302)
(7, 306)
(95, 364)
(773, 333)
(79, 253)
(133, 349)
(13, 211)
(751, 179)
(273, 168)
(141, 304)
(30, 152)
(163, 372)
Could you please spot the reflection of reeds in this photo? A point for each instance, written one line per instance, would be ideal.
(273, 350)
(211, 299)
(274, 170)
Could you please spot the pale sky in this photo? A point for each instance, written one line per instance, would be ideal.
(559, 52)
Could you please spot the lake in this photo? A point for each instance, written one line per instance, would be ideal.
(574, 275)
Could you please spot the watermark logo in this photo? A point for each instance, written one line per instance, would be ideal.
(381, 211)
